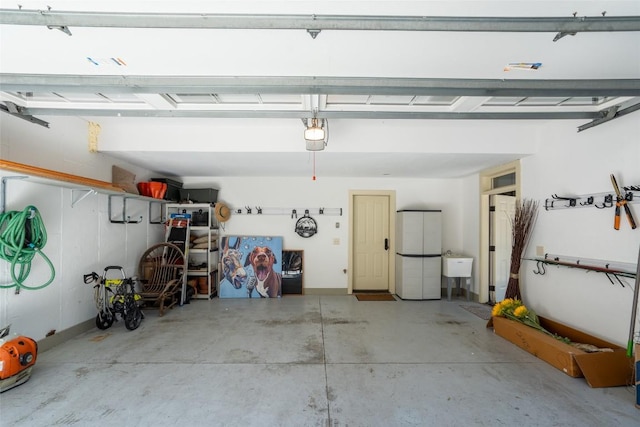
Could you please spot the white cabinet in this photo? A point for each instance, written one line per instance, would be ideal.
(418, 245)
(200, 243)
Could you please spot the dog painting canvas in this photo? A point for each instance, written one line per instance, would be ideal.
(251, 267)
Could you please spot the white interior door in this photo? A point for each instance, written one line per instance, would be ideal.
(371, 254)
(501, 236)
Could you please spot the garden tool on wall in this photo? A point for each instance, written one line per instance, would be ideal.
(621, 201)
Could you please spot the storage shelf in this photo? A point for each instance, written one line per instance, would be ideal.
(201, 228)
(76, 183)
(202, 256)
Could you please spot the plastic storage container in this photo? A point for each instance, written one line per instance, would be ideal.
(173, 188)
(199, 195)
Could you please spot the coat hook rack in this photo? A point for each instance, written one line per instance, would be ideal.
(597, 200)
(293, 212)
(608, 268)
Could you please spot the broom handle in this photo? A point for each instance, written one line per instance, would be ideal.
(634, 309)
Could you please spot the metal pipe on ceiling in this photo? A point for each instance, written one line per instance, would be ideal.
(323, 114)
(64, 19)
(608, 115)
(13, 82)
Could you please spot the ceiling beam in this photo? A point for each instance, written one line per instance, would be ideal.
(10, 82)
(19, 112)
(301, 114)
(65, 19)
(610, 114)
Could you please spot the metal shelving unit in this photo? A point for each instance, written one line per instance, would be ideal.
(200, 246)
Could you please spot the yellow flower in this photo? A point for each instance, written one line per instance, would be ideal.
(497, 310)
(520, 312)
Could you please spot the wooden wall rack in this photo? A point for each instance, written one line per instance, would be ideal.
(81, 187)
(608, 268)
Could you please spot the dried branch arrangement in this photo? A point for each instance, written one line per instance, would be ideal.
(522, 225)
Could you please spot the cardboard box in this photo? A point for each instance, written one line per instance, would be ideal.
(601, 369)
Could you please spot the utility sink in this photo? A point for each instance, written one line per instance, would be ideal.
(456, 266)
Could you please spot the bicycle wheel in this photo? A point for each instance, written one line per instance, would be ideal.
(104, 320)
(133, 317)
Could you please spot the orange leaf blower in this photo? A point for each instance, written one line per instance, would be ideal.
(17, 357)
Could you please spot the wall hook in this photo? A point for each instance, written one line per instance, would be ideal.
(540, 268)
(571, 200)
(259, 209)
(588, 202)
(607, 203)
(248, 210)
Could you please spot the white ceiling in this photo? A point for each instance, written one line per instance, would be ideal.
(235, 78)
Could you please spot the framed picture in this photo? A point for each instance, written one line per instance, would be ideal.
(251, 267)
(292, 269)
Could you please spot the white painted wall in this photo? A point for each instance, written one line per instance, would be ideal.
(80, 239)
(324, 261)
(470, 217)
(571, 163)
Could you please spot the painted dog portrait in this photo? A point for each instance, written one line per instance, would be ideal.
(265, 280)
(250, 267)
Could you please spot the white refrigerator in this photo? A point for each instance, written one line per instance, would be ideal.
(418, 254)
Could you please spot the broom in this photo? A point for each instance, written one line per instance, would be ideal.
(522, 225)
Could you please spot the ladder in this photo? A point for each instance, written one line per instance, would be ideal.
(178, 234)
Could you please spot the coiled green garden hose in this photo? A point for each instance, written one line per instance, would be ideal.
(22, 236)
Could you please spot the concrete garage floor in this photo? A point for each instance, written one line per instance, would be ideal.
(306, 361)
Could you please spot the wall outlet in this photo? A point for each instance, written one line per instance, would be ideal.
(539, 250)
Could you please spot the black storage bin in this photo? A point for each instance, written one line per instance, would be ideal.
(199, 218)
(199, 195)
(173, 188)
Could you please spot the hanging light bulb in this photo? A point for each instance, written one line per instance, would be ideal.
(315, 136)
(314, 132)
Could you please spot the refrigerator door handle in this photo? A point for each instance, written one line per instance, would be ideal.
(386, 244)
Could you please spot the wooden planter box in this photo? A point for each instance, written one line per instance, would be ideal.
(602, 369)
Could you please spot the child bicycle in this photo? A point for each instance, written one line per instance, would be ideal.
(115, 296)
